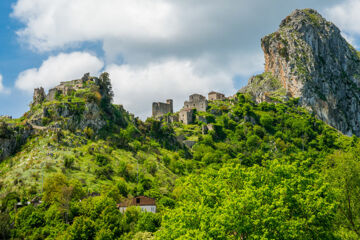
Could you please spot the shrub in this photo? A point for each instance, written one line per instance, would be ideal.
(123, 189)
(267, 121)
(104, 173)
(45, 121)
(148, 222)
(102, 160)
(253, 141)
(89, 132)
(68, 162)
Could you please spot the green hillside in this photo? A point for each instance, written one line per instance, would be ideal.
(261, 171)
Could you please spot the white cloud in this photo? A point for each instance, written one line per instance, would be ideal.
(56, 23)
(63, 67)
(2, 88)
(137, 87)
(346, 16)
(142, 31)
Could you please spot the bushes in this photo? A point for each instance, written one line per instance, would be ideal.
(104, 173)
(83, 228)
(89, 132)
(102, 160)
(69, 162)
(148, 222)
(267, 121)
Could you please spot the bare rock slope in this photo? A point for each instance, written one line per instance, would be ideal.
(310, 60)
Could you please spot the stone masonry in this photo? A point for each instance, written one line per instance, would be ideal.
(159, 109)
(212, 96)
(196, 101)
(39, 96)
(186, 116)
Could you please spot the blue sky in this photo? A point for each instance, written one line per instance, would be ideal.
(153, 50)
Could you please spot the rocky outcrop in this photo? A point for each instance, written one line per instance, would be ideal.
(264, 87)
(39, 96)
(313, 62)
(69, 116)
(11, 138)
(76, 105)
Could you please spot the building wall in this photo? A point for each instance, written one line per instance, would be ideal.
(148, 208)
(160, 109)
(216, 96)
(196, 101)
(186, 116)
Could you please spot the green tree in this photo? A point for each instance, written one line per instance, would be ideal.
(343, 176)
(83, 228)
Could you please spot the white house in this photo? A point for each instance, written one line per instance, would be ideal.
(146, 204)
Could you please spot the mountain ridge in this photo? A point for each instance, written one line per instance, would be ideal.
(314, 63)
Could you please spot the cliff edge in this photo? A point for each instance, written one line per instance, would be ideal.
(310, 60)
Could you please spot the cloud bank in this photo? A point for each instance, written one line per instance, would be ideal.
(137, 87)
(346, 16)
(63, 67)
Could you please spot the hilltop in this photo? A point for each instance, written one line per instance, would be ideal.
(307, 58)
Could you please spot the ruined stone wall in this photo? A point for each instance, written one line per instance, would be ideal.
(212, 96)
(186, 116)
(159, 109)
(39, 95)
(196, 101)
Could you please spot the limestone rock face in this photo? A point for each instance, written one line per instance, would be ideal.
(313, 62)
(11, 138)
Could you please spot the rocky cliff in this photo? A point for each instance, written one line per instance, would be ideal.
(310, 60)
(12, 137)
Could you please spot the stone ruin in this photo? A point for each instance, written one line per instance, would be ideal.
(39, 96)
(196, 101)
(64, 88)
(186, 114)
(213, 96)
(160, 109)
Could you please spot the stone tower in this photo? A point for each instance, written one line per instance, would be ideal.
(159, 109)
(39, 96)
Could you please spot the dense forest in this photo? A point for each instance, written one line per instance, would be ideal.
(264, 171)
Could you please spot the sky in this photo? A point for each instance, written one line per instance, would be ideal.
(153, 50)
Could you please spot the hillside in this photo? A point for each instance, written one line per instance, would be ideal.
(261, 165)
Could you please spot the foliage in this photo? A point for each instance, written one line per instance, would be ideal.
(262, 171)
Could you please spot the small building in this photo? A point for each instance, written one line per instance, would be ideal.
(196, 101)
(160, 109)
(186, 116)
(212, 96)
(146, 204)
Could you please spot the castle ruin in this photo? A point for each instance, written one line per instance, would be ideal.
(67, 88)
(186, 116)
(213, 96)
(39, 96)
(160, 109)
(196, 101)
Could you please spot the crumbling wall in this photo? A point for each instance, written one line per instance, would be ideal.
(196, 101)
(186, 116)
(159, 109)
(213, 96)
